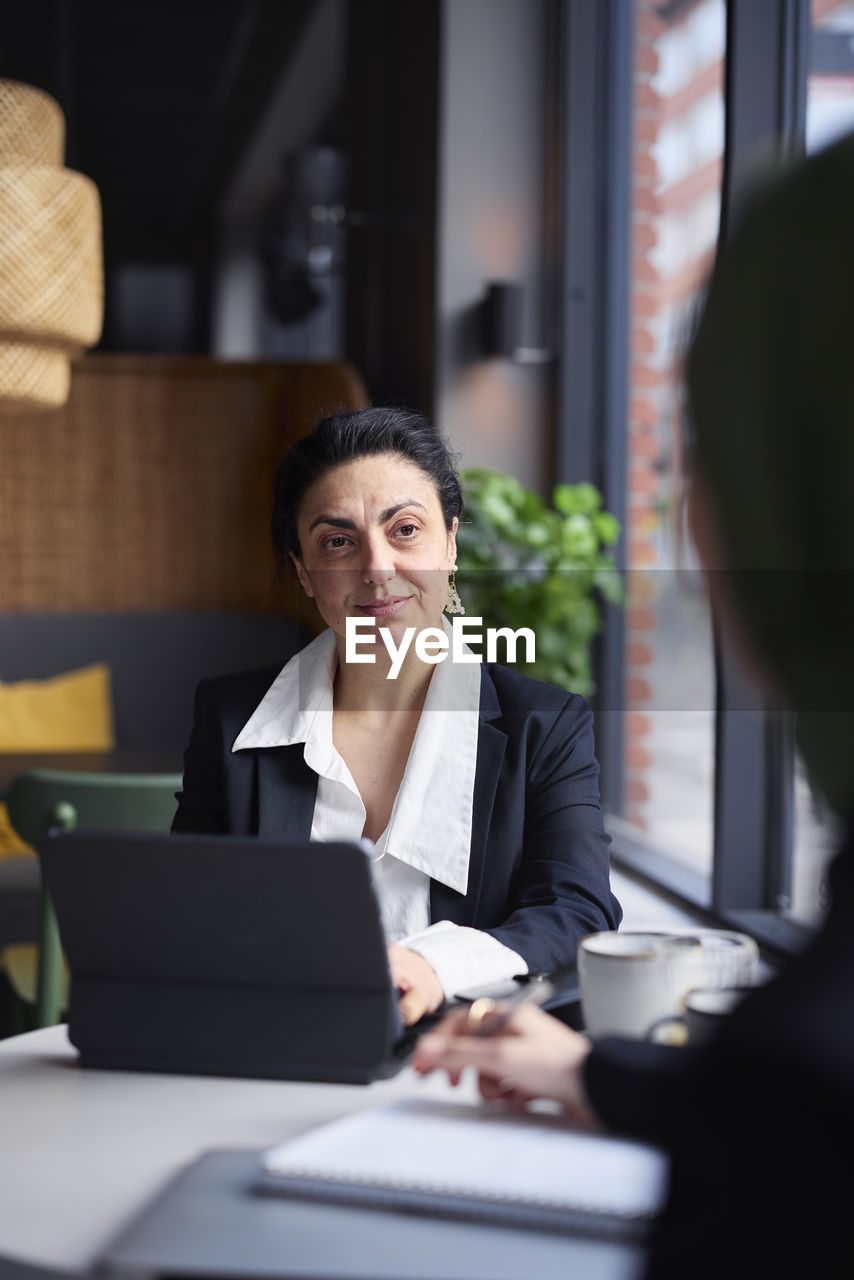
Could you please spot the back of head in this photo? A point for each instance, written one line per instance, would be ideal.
(771, 386)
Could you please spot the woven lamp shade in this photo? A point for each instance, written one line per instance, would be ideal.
(51, 262)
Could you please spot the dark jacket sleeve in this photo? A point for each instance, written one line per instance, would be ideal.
(636, 1087)
(202, 802)
(560, 889)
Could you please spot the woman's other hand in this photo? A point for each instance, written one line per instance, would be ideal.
(533, 1056)
(420, 989)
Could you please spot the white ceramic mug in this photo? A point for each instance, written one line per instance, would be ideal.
(633, 979)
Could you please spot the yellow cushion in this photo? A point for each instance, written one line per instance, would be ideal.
(71, 712)
(11, 844)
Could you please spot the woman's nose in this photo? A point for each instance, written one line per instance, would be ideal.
(376, 567)
(376, 574)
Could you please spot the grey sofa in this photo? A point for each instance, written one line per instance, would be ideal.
(156, 659)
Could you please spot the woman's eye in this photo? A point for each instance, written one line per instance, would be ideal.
(407, 530)
(337, 540)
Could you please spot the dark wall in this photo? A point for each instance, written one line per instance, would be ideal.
(161, 98)
(393, 107)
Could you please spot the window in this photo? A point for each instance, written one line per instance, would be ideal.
(678, 143)
(702, 787)
(830, 83)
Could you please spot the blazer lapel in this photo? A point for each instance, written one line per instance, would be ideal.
(445, 903)
(287, 789)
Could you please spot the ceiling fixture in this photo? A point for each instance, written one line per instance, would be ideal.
(51, 256)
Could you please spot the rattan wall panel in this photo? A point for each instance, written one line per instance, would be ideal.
(151, 488)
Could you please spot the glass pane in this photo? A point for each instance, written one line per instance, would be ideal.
(830, 85)
(830, 113)
(818, 835)
(669, 663)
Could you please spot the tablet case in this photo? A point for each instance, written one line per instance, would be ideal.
(224, 955)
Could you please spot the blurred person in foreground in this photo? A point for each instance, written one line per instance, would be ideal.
(760, 1124)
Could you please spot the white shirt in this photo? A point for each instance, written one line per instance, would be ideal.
(429, 832)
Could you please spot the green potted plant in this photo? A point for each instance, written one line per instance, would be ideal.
(523, 563)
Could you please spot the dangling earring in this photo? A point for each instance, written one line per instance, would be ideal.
(454, 604)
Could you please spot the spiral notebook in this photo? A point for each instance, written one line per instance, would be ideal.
(472, 1162)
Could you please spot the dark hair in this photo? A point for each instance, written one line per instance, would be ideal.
(771, 389)
(347, 437)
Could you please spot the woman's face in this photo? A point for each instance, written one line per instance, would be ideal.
(374, 545)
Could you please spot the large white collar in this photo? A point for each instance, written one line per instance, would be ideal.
(288, 709)
(430, 826)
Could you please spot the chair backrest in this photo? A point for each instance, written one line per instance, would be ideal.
(44, 798)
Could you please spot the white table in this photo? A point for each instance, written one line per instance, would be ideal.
(81, 1151)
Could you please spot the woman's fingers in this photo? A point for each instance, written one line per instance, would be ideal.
(453, 1023)
(495, 1090)
(413, 1005)
(416, 980)
(532, 1056)
(454, 1052)
(452, 1043)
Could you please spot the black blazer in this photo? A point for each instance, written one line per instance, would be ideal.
(538, 872)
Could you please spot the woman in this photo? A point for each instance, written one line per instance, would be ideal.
(476, 786)
(760, 1126)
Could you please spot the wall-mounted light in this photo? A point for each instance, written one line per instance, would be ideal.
(499, 317)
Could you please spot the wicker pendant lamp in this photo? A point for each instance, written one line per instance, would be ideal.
(51, 259)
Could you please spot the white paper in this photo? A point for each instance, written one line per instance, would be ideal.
(456, 1149)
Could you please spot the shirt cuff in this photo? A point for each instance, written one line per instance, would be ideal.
(463, 958)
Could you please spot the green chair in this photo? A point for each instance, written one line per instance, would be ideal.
(49, 798)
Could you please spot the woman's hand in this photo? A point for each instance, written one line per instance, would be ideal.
(533, 1056)
(416, 980)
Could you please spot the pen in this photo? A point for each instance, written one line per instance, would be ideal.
(486, 1017)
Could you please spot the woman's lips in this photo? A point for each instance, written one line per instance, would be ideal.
(383, 608)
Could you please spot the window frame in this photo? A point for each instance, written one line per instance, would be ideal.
(767, 55)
